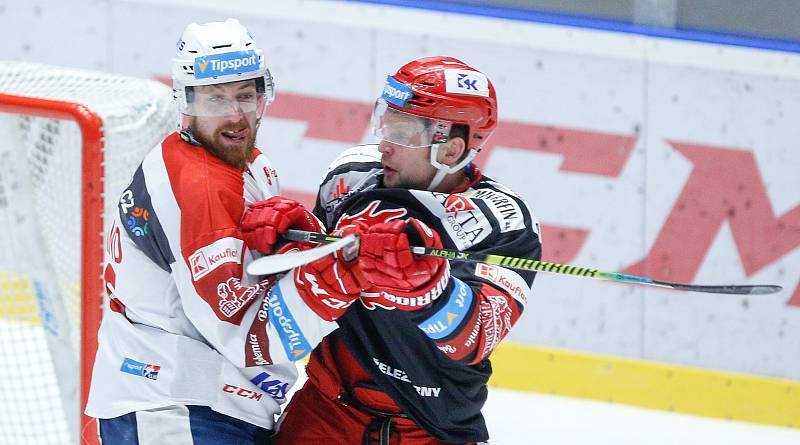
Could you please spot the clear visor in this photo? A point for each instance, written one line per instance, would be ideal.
(216, 104)
(407, 130)
(228, 99)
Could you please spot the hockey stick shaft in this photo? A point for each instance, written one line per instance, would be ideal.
(528, 264)
(272, 264)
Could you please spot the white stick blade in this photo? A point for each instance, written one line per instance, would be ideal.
(272, 264)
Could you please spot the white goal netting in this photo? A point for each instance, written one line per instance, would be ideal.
(41, 232)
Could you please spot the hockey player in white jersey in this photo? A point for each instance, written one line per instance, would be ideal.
(191, 349)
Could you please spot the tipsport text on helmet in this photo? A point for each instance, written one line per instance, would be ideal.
(218, 53)
(225, 64)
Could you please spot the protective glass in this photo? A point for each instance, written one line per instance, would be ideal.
(407, 130)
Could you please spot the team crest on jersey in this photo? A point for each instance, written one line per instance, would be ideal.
(370, 216)
(233, 296)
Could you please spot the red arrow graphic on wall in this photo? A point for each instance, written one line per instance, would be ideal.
(725, 185)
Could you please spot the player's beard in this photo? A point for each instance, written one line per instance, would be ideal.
(236, 154)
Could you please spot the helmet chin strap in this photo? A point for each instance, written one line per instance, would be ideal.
(442, 170)
(188, 136)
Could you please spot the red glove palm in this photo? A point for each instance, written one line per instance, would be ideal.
(265, 221)
(406, 281)
(329, 285)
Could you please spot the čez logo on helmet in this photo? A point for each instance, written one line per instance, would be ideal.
(467, 82)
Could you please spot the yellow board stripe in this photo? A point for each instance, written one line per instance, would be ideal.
(648, 384)
(16, 298)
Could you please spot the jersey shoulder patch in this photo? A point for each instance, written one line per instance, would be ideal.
(142, 224)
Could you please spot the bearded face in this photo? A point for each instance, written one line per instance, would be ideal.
(223, 119)
(231, 141)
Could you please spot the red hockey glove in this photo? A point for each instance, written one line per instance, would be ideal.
(329, 285)
(402, 280)
(265, 221)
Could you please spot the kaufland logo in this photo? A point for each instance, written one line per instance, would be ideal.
(199, 265)
(222, 256)
(486, 271)
(236, 62)
(206, 259)
(508, 280)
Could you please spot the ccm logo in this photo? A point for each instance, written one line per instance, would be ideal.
(241, 392)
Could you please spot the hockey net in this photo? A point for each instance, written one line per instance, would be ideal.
(69, 142)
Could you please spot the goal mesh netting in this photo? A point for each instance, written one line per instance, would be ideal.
(57, 178)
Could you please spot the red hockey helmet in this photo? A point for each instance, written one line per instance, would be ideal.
(445, 89)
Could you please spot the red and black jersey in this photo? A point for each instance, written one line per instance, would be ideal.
(432, 358)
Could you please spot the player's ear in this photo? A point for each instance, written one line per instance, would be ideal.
(452, 151)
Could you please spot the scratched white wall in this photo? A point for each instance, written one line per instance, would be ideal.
(626, 147)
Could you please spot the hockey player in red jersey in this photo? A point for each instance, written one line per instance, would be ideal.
(191, 349)
(409, 363)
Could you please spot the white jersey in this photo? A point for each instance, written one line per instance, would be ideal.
(183, 324)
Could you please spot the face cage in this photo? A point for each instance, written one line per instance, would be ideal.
(405, 129)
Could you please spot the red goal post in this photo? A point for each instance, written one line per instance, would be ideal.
(69, 141)
(91, 284)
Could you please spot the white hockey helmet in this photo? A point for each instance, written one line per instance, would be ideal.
(215, 53)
